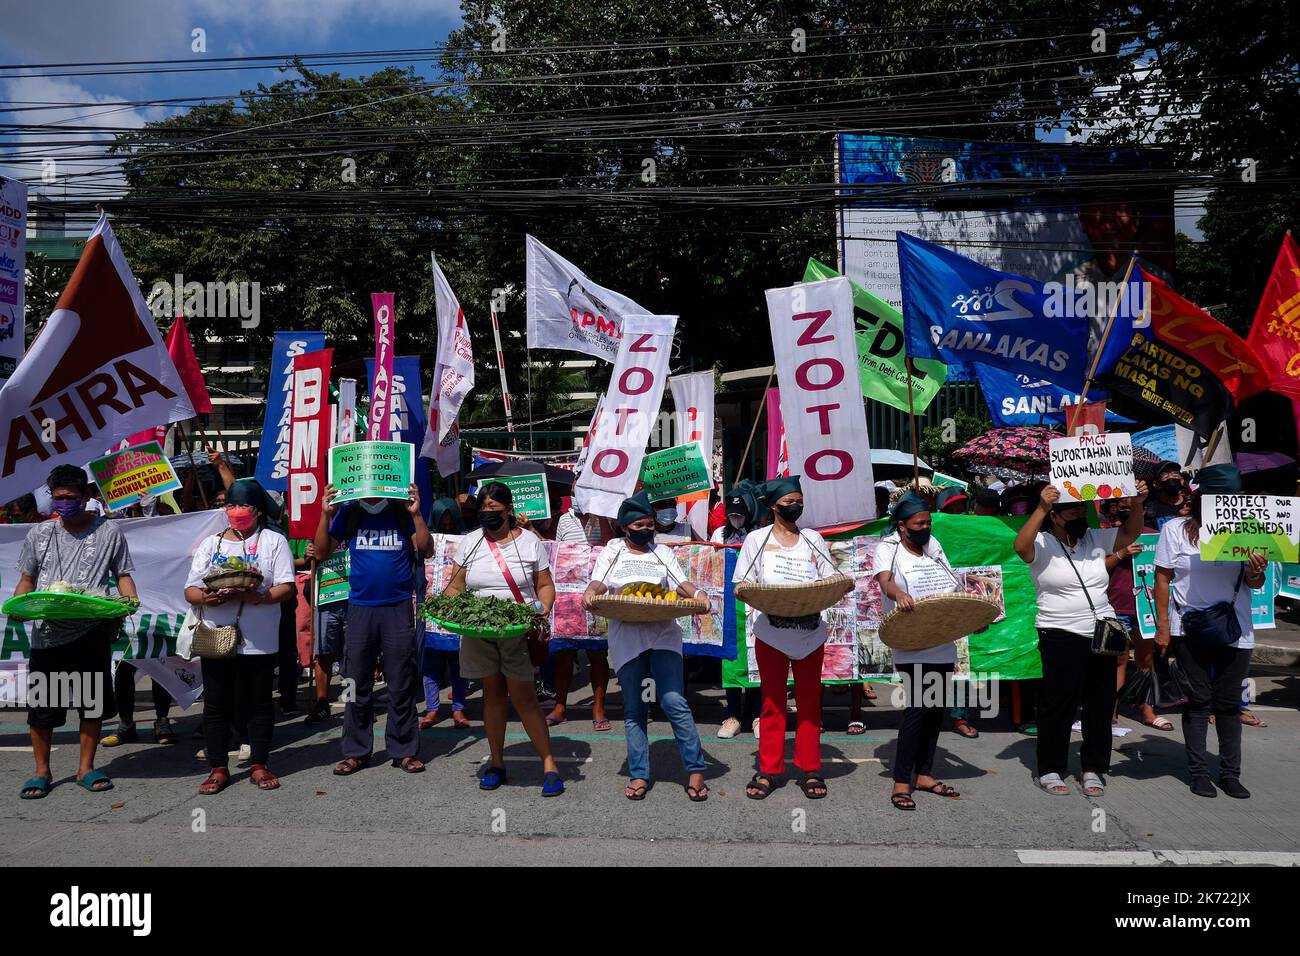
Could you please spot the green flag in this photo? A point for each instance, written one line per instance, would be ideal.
(880, 349)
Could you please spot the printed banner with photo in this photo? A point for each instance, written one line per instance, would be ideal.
(1262, 612)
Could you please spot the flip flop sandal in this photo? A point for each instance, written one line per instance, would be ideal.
(217, 781)
(263, 779)
(491, 778)
(697, 795)
(966, 729)
(811, 783)
(461, 722)
(856, 728)
(601, 724)
(1093, 785)
(409, 764)
(940, 789)
(755, 783)
(1160, 723)
(40, 784)
(553, 721)
(428, 720)
(1250, 720)
(868, 692)
(902, 801)
(89, 781)
(348, 766)
(635, 793)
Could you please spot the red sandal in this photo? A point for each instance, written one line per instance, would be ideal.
(217, 781)
(262, 778)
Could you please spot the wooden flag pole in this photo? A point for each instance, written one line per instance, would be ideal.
(1211, 445)
(203, 495)
(1101, 347)
(911, 414)
(744, 458)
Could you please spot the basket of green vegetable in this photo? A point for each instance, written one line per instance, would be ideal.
(473, 616)
(68, 602)
(233, 572)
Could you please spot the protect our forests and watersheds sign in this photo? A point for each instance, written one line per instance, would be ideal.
(372, 469)
(1234, 527)
(126, 475)
(1090, 467)
(675, 472)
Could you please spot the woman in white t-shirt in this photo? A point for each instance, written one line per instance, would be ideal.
(1067, 561)
(784, 554)
(237, 689)
(648, 654)
(741, 517)
(1215, 667)
(502, 560)
(911, 564)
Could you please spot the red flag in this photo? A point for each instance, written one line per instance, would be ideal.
(1275, 333)
(1089, 418)
(187, 364)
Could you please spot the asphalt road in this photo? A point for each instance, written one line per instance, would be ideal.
(382, 816)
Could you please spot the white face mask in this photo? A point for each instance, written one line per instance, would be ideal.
(374, 507)
(737, 521)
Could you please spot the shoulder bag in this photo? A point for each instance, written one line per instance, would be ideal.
(1109, 638)
(1216, 625)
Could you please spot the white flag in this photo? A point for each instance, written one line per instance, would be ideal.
(693, 400)
(453, 377)
(566, 310)
(627, 413)
(821, 400)
(98, 372)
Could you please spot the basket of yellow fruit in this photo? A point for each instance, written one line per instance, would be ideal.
(646, 602)
(795, 600)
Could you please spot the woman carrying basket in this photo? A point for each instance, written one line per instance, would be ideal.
(502, 560)
(913, 564)
(647, 655)
(784, 554)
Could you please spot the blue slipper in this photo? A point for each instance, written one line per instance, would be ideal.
(40, 784)
(95, 776)
(552, 785)
(491, 778)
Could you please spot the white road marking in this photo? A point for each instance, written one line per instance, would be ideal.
(1156, 857)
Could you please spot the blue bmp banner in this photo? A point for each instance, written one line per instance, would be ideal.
(273, 456)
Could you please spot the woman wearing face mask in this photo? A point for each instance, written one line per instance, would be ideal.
(786, 555)
(913, 564)
(502, 560)
(1067, 560)
(668, 530)
(742, 518)
(1214, 650)
(237, 689)
(648, 651)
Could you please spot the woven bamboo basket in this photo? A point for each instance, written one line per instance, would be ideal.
(233, 579)
(795, 600)
(620, 607)
(937, 620)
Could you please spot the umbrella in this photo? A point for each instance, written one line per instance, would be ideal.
(521, 466)
(886, 463)
(1248, 461)
(1015, 453)
(1145, 462)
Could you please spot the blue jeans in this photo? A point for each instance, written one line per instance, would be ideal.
(665, 668)
(433, 664)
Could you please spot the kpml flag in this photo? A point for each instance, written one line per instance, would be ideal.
(881, 349)
(1275, 334)
(97, 373)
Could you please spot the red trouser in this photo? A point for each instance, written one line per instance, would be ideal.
(773, 669)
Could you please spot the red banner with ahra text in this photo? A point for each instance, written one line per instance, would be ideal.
(309, 440)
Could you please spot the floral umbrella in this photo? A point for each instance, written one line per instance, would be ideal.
(1015, 453)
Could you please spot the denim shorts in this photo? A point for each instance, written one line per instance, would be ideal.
(332, 627)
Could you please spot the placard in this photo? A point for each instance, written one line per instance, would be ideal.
(372, 469)
(1233, 527)
(332, 577)
(530, 495)
(123, 476)
(677, 471)
(1092, 467)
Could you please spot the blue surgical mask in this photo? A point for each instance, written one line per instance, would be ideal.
(666, 516)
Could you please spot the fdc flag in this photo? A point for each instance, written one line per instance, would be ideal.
(956, 310)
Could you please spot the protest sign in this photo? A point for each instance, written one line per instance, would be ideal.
(332, 574)
(273, 455)
(677, 471)
(530, 495)
(308, 438)
(372, 469)
(125, 475)
(1233, 527)
(13, 272)
(1088, 467)
(1262, 613)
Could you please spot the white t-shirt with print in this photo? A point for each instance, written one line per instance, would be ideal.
(763, 560)
(570, 529)
(1198, 584)
(524, 556)
(259, 623)
(1061, 602)
(617, 565)
(920, 575)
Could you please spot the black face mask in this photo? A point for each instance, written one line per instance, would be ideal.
(491, 520)
(790, 513)
(1171, 487)
(1076, 527)
(919, 538)
(640, 536)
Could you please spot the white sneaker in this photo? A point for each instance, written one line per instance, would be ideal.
(730, 727)
(245, 752)
(756, 728)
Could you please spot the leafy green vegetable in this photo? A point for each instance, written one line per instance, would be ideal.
(481, 613)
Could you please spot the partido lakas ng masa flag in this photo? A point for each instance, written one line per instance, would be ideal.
(97, 373)
(881, 355)
(1181, 364)
(956, 310)
(566, 310)
(453, 377)
(821, 400)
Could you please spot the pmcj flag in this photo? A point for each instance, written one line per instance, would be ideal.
(956, 310)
